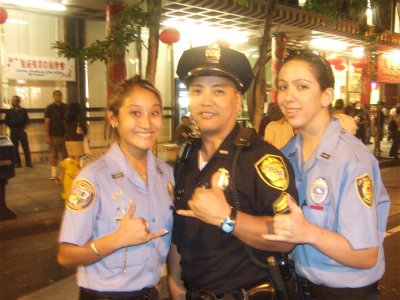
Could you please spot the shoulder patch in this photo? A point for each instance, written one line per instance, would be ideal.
(365, 189)
(82, 197)
(272, 170)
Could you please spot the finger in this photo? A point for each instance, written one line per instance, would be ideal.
(292, 204)
(147, 226)
(186, 212)
(158, 234)
(131, 210)
(220, 179)
(273, 237)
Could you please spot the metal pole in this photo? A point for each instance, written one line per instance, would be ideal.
(378, 132)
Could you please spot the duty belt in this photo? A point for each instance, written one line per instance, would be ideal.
(264, 291)
(144, 294)
(315, 291)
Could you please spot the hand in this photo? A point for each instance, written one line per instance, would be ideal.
(135, 231)
(292, 227)
(49, 141)
(208, 205)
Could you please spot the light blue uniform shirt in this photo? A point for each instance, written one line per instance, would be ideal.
(335, 193)
(115, 183)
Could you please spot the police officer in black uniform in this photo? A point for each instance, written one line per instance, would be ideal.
(18, 120)
(229, 184)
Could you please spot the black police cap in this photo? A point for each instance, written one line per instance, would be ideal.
(214, 60)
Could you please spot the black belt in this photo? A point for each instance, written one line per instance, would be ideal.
(263, 291)
(315, 291)
(144, 294)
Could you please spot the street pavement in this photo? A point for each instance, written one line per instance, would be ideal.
(30, 240)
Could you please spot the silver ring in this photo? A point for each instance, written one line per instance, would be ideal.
(147, 226)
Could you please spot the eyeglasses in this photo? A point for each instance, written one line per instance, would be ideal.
(314, 59)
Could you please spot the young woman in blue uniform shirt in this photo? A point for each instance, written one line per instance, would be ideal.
(340, 222)
(118, 216)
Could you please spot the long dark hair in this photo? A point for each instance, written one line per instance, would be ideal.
(73, 112)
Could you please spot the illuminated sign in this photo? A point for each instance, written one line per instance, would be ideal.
(39, 68)
(389, 68)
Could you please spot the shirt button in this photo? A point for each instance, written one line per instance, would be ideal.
(153, 220)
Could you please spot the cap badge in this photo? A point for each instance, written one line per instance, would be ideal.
(213, 54)
(319, 190)
(365, 189)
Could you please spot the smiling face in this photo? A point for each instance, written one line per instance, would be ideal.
(300, 97)
(138, 120)
(214, 102)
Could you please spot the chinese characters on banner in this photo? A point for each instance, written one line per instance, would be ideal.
(39, 68)
(388, 65)
(388, 69)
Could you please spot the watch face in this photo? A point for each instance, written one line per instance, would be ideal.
(228, 226)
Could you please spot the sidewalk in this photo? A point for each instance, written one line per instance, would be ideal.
(37, 202)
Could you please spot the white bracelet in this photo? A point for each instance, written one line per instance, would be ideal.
(93, 246)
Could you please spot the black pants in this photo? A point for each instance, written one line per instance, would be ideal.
(395, 144)
(144, 294)
(18, 135)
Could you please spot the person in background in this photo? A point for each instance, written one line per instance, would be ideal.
(71, 166)
(17, 119)
(220, 215)
(392, 112)
(379, 119)
(267, 118)
(346, 121)
(278, 133)
(367, 111)
(340, 222)
(75, 129)
(119, 213)
(394, 131)
(360, 120)
(55, 131)
(183, 130)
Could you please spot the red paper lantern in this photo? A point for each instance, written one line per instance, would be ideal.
(359, 63)
(340, 67)
(170, 36)
(335, 61)
(3, 15)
